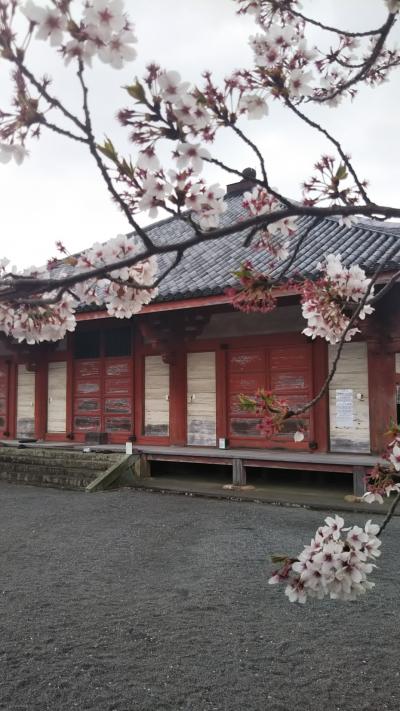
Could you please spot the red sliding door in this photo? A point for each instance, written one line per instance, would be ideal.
(287, 371)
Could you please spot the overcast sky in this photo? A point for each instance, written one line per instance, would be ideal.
(57, 194)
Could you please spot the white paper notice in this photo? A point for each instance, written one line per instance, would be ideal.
(344, 408)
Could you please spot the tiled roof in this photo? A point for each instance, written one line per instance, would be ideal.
(207, 269)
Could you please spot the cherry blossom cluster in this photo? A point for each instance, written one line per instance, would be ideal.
(255, 292)
(381, 480)
(35, 324)
(275, 237)
(266, 405)
(331, 184)
(123, 291)
(103, 30)
(147, 187)
(47, 320)
(291, 69)
(167, 108)
(337, 563)
(328, 302)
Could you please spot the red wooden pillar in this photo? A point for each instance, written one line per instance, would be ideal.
(382, 393)
(41, 398)
(177, 397)
(12, 399)
(69, 419)
(138, 386)
(320, 412)
(221, 376)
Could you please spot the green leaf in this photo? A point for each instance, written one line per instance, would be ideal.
(341, 173)
(108, 150)
(136, 91)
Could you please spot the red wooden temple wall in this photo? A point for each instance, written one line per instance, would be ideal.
(106, 387)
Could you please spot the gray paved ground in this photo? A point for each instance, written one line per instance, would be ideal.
(138, 601)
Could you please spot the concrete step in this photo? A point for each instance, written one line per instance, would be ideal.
(61, 468)
(38, 478)
(70, 462)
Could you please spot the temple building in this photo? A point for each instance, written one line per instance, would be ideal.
(168, 379)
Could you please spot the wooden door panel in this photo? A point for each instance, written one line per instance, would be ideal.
(26, 381)
(286, 372)
(201, 399)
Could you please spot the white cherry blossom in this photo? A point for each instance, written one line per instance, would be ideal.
(324, 302)
(336, 564)
(191, 155)
(118, 49)
(148, 160)
(395, 457)
(74, 49)
(155, 191)
(299, 83)
(14, 151)
(254, 105)
(51, 22)
(207, 203)
(172, 88)
(107, 15)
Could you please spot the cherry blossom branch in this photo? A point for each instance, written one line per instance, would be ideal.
(62, 131)
(28, 284)
(102, 168)
(52, 100)
(335, 30)
(256, 150)
(334, 142)
(132, 283)
(385, 289)
(297, 210)
(255, 180)
(297, 248)
(390, 513)
(342, 341)
(367, 65)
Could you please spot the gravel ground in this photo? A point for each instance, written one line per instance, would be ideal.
(138, 601)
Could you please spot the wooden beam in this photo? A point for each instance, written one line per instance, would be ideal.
(238, 473)
(359, 474)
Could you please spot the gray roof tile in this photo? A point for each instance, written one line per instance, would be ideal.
(208, 268)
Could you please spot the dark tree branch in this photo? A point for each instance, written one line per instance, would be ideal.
(23, 284)
(51, 100)
(390, 513)
(367, 65)
(62, 131)
(335, 30)
(297, 248)
(386, 288)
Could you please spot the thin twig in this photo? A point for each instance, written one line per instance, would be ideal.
(335, 30)
(102, 168)
(62, 131)
(296, 250)
(342, 341)
(334, 142)
(368, 64)
(390, 513)
(386, 288)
